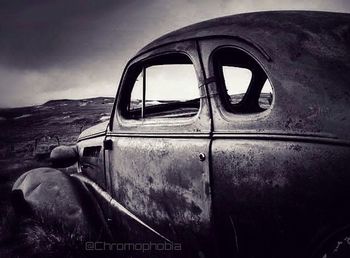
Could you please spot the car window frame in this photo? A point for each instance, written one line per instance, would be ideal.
(230, 117)
(226, 123)
(142, 68)
(222, 88)
(188, 124)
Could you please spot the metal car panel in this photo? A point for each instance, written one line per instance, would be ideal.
(159, 168)
(273, 195)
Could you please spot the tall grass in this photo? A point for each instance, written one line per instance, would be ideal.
(29, 237)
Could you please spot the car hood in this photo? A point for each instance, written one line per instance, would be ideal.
(94, 131)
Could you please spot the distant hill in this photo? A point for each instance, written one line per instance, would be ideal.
(10, 113)
(64, 118)
(97, 100)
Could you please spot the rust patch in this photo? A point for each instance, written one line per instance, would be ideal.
(295, 147)
(177, 179)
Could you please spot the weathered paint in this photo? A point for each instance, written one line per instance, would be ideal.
(309, 98)
(280, 194)
(94, 131)
(116, 205)
(163, 182)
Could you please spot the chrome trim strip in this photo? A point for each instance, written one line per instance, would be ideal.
(161, 135)
(116, 204)
(95, 135)
(284, 137)
(330, 139)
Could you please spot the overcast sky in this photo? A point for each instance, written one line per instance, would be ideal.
(78, 48)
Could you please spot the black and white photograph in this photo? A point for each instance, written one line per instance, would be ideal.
(175, 128)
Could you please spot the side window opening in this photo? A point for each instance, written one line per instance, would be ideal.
(245, 87)
(266, 95)
(237, 81)
(165, 87)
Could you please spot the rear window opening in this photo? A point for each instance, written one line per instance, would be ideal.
(244, 85)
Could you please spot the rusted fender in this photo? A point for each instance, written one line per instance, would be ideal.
(55, 197)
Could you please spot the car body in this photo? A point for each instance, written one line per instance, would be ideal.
(255, 174)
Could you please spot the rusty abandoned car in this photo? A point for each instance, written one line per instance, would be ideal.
(229, 138)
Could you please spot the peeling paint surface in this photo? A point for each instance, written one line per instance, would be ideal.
(176, 195)
(288, 189)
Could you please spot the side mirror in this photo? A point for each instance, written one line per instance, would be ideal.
(64, 156)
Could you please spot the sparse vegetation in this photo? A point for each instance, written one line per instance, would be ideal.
(20, 129)
(28, 237)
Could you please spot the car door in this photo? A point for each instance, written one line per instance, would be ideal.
(159, 146)
(246, 164)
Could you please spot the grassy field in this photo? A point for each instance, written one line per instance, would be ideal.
(26, 136)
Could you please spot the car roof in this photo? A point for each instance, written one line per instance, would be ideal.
(262, 29)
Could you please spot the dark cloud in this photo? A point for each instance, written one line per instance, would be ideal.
(39, 33)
